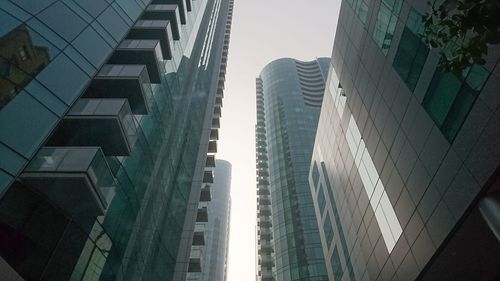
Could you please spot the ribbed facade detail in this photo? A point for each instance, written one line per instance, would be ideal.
(264, 224)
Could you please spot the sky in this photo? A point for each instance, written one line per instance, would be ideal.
(262, 31)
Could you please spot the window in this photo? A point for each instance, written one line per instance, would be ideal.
(315, 174)
(386, 23)
(328, 229)
(412, 52)
(336, 265)
(360, 8)
(321, 200)
(448, 99)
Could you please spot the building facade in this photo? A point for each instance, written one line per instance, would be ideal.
(404, 172)
(289, 95)
(217, 232)
(109, 112)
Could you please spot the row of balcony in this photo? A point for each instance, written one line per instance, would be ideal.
(71, 170)
(198, 244)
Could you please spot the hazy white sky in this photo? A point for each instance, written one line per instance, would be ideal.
(262, 31)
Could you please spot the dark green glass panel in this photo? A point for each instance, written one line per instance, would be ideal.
(477, 76)
(315, 174)
(336, 265)
(441, 95)
(458, 113)
(321, 199)
(410, 58)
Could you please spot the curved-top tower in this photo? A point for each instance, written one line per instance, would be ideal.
(289, 96)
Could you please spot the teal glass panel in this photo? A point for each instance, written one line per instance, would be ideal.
(441, 95)
(315, 174)
(328, 229)
(461, 107)
(321, 199)
(477, 76)
(25, 123)
(5, 179)
(336, 265)
(448, 99)
(11, 162)
(412, 52)
(386, 24)
(360, 8)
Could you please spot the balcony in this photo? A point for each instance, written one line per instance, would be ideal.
(208, 177)
(146, 52)
(76, 179)
(195, 259)
(212, 147)
(214, 134)
(164, 12)
(202, 215)
(123, 81)
(216, 122)
(180, 3)
(218, 101)
(154, 30)
(107, 123)
(217, 112)
(198, 238)
(210, 162)
(206, 194)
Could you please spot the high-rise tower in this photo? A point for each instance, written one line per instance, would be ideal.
(405, 171)
(289, 94)
(217, 228)
(109, 112)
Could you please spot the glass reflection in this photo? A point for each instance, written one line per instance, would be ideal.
(23, 54)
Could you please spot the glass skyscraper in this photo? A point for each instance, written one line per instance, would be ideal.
(217, 228)
(109, 116)
(289, 95)
(404, 172)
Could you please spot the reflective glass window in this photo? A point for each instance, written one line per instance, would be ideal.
(113, 23)
(412, 52)
(321, 199)
(336, 265)
(62, 69)
(34, 6)
(23, 54)
(449, 99)
(360, 8)
(79, 60)
(14, 10)
(131, 8)
(315, 174)
(93, 7)
(44, 96)
(5, 180)
(386, 23)
(11, 161)
(328, 230)
(62, 20)
(25, 123)
(92, 46)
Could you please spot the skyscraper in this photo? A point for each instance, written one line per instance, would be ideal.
(404, 172)
(109, 116)
(217, 228)
(289, 94)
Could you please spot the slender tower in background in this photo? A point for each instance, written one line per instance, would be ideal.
(109, 117)
(404, 173)
(289, 96)
(217, 228)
